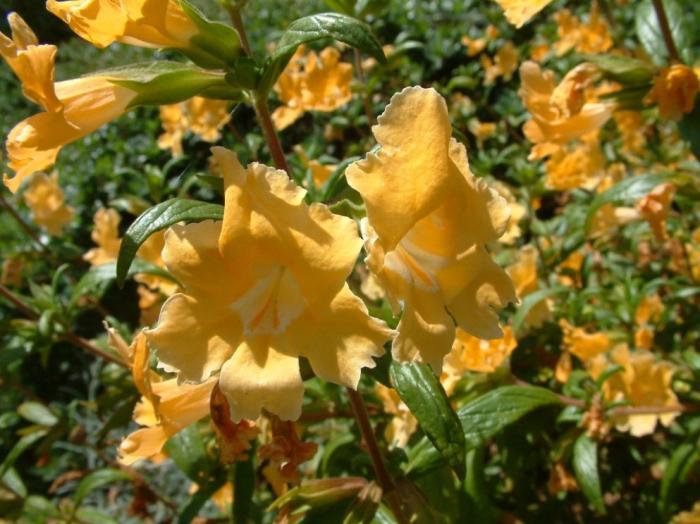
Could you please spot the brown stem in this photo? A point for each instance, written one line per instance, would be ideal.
(268, 128)
(234, 14)
(22, 224)
(363, 83)
(666, 30)
(383, 477)
(68, 336)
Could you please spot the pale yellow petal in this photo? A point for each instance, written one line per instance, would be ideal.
(520, 11)
(259, 377)
(143, 444)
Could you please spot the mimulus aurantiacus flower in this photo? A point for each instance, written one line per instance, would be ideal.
(146, 23)
(520, 11)
(674, 91)
(643, 381)
(203, 116)
(105, 234)
(46, 200)
(428, 220)
(504, 64)
(589, 37)
(524, 274)
(312, 82)
(403, 424)
(262, 288)
(559, 113)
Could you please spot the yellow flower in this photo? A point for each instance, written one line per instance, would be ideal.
(631, 126)
(572, 264)
(580, 165)
(105, 234)
(591, 37)
(648, 311)
(517, 212)
(473, 354)
(474, 46)
(520, 11)
(312, 82)
(655, 207)
(585, 346)
(674, 91)
(693, 248)
(320, 173)
(428, 220)
(481, 130)
(524, 275)
(504, 64)
(688, 517)
(46, 200)
(203, 116)
(146, 23)
(403, 424)
(643, 381)
(73, 108)
(559, 113)
(262, 288)
(150, 251)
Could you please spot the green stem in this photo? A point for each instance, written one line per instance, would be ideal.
(273, 143)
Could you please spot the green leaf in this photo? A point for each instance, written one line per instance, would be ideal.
(37, 413)
(157, 218)
(342, 6)
(308, 29)
(363, 509)
(485, 416)
(689, 127)
(13, 482)
(649, 30)
(627, 189)
(190, 510)
(39, 509)
(475, 487)
(531, 301)
(622, 69)
(216, 43)
(422, 392)
(20, 447)
(422, 458)
(244, 487)
(188, 451)
(96, 480)
(585, 462)
(93, 516)
(681, 462)
(96, 281)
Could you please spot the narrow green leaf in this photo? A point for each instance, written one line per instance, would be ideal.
(93, 516)
(20, 447)
(196, 501)
(342, 6)
(37, 413)
(216, 43)
(649, 30)
(475, 487)
(623, 69)
(97, 479)
(682, 460)
(485, 416)
(422, 458)
(160, 217)
(531, 301)
(585, 462)
(308, 29)
(422, 392)
(363, 509)
(627, 189)
(689, 127)
(188, 451)
(244, 487)
(13, 482)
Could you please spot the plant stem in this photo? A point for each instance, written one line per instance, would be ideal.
(69, 336)
(363, 82)
(268, 128)
(666, 30)
(383, 477)
(234, 14)
(22, 224)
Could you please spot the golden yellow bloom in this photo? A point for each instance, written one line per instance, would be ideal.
(517, 212)
(643, 381)
(559, 113)
(585, 346)
(312, 82)
(520, 11)
(320, 173)
(481, 130)
(73, 108)
(655, 207)
(524, 275)
(572, 264)
(428, 220)
(504, 64)
(474, 46)
(579, 165)
(105, 234)
(46, 200)
(631, 126)
(693, 249)
(203, 116)
(403, 424)
(146, 23)
(150, 251)
(539, 52)
(608, 218)
(674, 91)
(688, 517)
(261, 289)
(649, 309)
(591, 37)
(473, 354)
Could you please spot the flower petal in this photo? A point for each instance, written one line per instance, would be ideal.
(259, 377)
